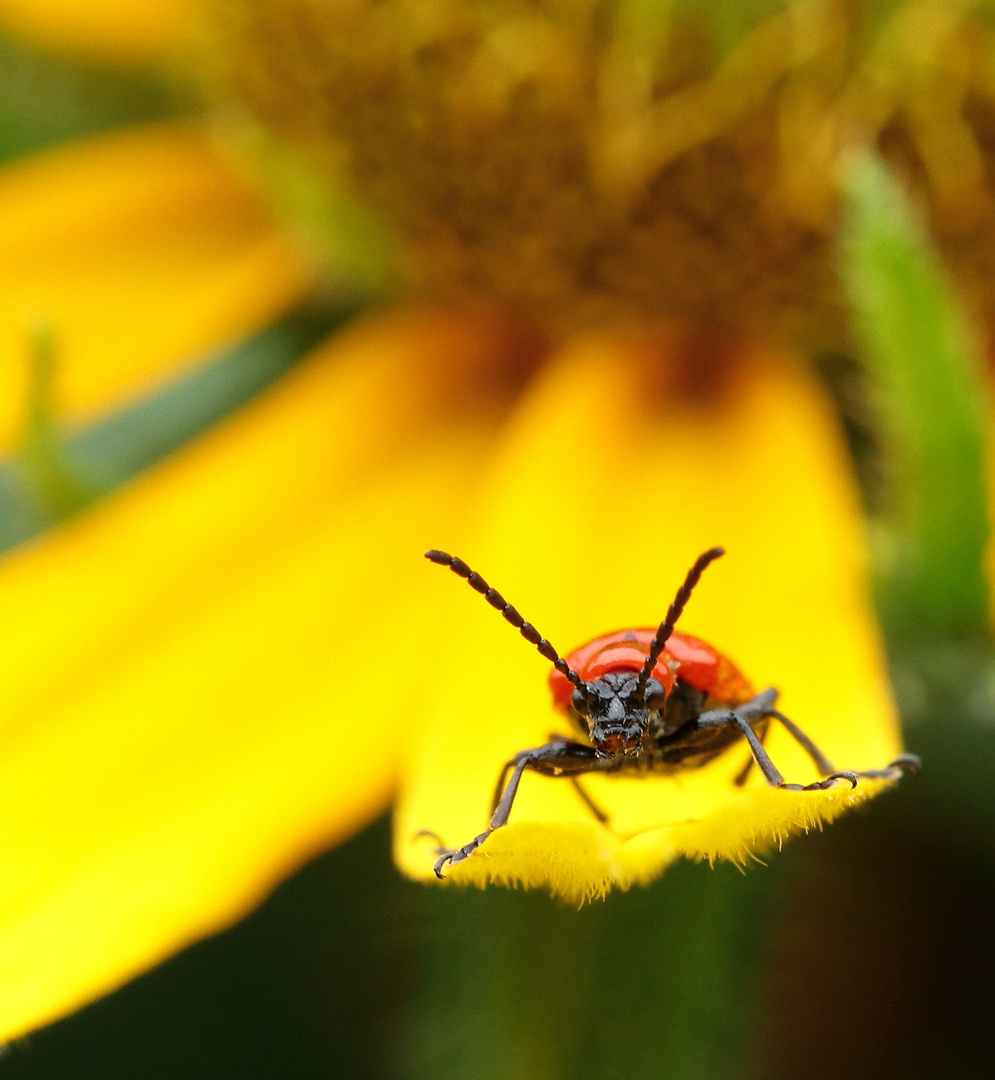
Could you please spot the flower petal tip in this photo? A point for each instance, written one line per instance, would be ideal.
(582, 862)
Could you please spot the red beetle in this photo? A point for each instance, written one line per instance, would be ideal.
(646, 699)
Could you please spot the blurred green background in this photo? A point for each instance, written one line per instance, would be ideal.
(867, 950)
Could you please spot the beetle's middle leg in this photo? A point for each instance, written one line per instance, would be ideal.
(762, 707)
(556, 736)
(748, 714)
(893, 771)
(761, 728)
(589, 802)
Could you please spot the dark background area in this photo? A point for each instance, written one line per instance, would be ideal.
(878, 959)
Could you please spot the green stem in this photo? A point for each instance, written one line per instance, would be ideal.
(58, 488)
(653, 982)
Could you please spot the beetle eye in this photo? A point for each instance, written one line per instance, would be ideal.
(654, 695)
(579, 702)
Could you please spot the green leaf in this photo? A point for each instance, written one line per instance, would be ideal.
(932, 402)
(60, 472)
(46, 99)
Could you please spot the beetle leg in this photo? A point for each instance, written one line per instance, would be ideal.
(589, 802)
(821, 762)
(431, 835)
(896, 769)
(499, 786)
(556, 736)
(554, 759)
(553, 736)
(743, 775)
(893, 771)
(744, 717)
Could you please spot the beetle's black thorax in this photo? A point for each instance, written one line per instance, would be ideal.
(678, 742)
(685, 703)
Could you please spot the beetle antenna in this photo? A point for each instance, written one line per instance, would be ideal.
(673, 614)
(496, 600)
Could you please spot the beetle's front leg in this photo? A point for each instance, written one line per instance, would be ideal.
(762, 707)
(552, 759)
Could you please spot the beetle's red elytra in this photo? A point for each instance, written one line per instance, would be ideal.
(626, 650)
(646, 699)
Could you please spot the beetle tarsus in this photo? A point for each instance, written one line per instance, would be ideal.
(895, 770)
(448, 855)
(432, 836)
(459, 854)
(826, 782)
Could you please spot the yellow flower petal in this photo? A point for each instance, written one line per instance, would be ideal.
(142, 251)
(116, 30)
(602, 496)
(202, 678)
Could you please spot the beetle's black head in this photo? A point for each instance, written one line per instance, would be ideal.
(617, 712)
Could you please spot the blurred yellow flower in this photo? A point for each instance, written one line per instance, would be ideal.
(119, 31)
(144, 253)
(594, 163)
(197, 694)
(231, 662)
